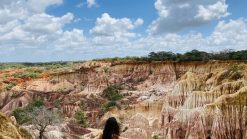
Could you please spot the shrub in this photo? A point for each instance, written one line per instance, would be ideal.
(28, 74)
(34, 104)
(112, 93)
(4, 66)
(21, 114)
(108, 105)
(10, 86)
(81, 118)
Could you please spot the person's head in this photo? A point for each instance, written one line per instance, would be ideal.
(111, 129)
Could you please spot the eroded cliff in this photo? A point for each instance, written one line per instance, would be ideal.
(167, 99)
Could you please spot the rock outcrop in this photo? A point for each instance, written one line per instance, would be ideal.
(8, 130)
(175, 100)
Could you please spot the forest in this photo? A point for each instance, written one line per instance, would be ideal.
(194, 55)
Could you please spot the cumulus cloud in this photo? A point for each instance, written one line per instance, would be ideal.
(31, 32)
(226, 35)
(175, 15)
(43, 23)
(41, 5)
(91, 3)
(108, 29)
(71, 39)
(230, 35)
(26, 27)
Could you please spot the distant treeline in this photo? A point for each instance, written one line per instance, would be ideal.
(193, 55)
(49, 65)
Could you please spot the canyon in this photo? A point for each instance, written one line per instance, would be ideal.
(171, 100)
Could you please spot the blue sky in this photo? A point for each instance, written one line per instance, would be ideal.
(131, 9)
(55, 30)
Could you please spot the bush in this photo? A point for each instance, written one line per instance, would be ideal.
(10, 86)
(21, 114)
(34, 104)
(81, 118)
(28, 74)
(108, 105)
(112, 93)
(5, 66)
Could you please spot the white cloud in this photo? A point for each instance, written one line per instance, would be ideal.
(41, 5)
(91, 3)
(139, 22)
(171, 42)
(27, 27)
(43, 23)
(30, 32)
(108, 30)
(70, 39)
(176, 15)
(231, 35)
(210, 12)
(226, 35)
(12, 12)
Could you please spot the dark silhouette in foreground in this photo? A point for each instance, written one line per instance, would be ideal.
(111, 130)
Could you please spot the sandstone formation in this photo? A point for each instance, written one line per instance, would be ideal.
(8, 130)
(187, 100)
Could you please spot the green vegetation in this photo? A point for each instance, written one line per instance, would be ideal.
(34, 104)
(109, 105)
(81, 119)
(4, 66)
(113, 95)
(193, 55)
(48, 65)
(21, 114)
(10, 86)
(28, 74)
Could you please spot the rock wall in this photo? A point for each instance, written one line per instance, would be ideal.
(189, 100)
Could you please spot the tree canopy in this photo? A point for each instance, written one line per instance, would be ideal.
(194, 55)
